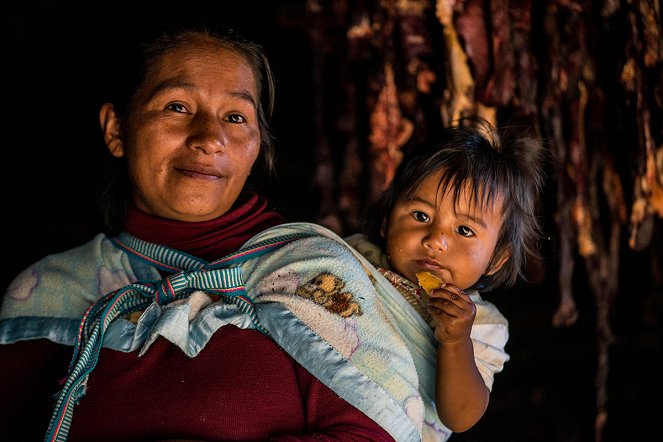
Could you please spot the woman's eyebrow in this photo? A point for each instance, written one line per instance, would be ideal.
(245, 95)
(172, 84)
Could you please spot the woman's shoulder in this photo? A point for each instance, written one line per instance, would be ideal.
(65, 283)
(98, 248)
(300, 228)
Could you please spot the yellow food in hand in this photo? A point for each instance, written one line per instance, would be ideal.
(428, 281)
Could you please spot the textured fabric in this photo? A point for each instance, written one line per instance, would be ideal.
(136, 393)
(222, 394)
(489, 332)
(413, 294)
(193, 283)
(154, 390)
(379, 353)
(357, 350)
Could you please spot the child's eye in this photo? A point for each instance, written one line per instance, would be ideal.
(420, 216)
(465, 231)
(177, 107)
(236, 118)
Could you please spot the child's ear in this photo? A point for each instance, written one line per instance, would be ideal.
(110, 126)
(498, 263)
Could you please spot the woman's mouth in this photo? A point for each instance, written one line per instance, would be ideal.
(199, 172)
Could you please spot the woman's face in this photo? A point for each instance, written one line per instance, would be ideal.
(193, 134)
(431, 233)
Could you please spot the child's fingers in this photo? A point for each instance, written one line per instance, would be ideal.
(453, 307)
(451, 293)
(449, 300)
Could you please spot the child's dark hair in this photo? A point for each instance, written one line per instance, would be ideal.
(493, 165)
(134, 66)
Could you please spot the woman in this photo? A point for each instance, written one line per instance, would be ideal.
(193, 345)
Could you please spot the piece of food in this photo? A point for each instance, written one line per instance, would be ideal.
(428, 281)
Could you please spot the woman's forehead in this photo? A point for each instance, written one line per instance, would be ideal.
(195, 60)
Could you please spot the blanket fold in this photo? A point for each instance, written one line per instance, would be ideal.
(318, 298)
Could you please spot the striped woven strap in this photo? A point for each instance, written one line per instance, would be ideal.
(222, 277)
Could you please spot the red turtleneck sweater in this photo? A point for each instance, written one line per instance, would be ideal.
(240, 387)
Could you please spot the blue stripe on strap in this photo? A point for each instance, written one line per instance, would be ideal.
(162, 257)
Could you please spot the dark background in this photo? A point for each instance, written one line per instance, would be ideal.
(54, 56)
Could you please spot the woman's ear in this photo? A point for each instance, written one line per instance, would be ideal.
(110, 126)
(498, 263)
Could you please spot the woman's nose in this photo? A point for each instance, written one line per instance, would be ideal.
(207, 135)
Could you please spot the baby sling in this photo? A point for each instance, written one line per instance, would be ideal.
(222, 277)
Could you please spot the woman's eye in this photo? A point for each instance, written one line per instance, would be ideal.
(236, 118)
(176, 107)
(465, 231)
(420, 216)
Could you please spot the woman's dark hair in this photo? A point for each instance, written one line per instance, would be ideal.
(135, 65)
(494, 165)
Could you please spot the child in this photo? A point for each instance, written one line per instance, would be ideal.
(461, 206)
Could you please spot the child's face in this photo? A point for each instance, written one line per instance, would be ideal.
(429, 234)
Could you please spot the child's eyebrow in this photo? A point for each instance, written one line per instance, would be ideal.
(418, 199)
(477, 220)
(463, 215)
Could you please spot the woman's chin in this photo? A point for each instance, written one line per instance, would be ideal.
(195, 213)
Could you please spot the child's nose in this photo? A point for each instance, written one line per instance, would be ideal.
(437, 240)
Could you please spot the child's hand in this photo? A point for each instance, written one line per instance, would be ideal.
(453, 312)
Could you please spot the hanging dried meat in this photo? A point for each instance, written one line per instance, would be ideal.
(586, 75)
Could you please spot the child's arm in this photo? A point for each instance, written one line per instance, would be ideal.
(461, 396)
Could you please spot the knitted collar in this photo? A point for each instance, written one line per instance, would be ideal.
(211, 239)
